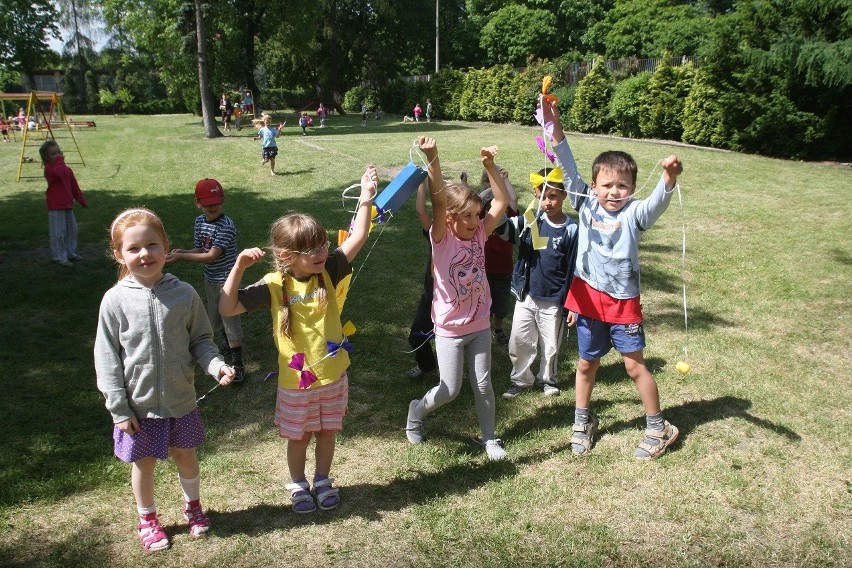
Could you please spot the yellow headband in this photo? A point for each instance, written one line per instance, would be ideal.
(555, 176)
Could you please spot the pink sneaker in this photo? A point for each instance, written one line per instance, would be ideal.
(151, 533)
(199, 524)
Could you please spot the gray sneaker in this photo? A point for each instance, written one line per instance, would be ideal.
(550, 390)
(514, 391)
(414, 425)
(415, 372)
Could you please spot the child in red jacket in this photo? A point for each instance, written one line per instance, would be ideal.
(62, 190)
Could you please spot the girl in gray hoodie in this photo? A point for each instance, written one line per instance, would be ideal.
(152, 329)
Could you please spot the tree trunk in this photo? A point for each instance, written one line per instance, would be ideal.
(208, 117)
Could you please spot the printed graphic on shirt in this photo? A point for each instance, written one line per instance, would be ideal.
(606, 272)
(467, 274)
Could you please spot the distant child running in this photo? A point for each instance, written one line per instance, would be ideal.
(152, 330)
(4, 129)
(418, 112)
(430, 110)
(215, 246)
(304, 121)
(604, 296)
(313, 352)
(540, 280)
(62, 190)
(269, 148)
(460, 308)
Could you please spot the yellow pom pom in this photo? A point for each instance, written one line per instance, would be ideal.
(349, 328)
(683, 367)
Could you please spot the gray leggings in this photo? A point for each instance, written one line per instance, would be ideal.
(451, 352)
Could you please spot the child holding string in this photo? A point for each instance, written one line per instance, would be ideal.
(313, 352)
(462, 300)
(152, 329)
(603, 299)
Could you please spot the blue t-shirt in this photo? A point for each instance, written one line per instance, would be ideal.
(220, 233)
(267, 136)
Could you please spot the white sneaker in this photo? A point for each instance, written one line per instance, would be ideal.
(550, 390)
(495, 450)
(413, 425)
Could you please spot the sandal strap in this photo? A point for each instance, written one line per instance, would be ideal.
(324, 482)
(298, 486)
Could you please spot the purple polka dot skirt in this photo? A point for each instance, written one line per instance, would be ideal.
(157, 435)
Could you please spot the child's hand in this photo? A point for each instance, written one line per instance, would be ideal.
(673, 166)
(571, 318)
(369, 182)
(428, 146)
(487, 155)
(226, 375)
(129, 426)
(549, 111)
(249, 257)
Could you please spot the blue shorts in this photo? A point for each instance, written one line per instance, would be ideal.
(595, 338)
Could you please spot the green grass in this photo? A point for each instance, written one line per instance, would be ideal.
(761, 476)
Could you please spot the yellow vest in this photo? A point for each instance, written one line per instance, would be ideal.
(310, 327)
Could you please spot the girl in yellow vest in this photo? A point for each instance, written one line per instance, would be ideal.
(313, 352)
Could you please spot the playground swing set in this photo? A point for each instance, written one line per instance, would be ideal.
(45, 107)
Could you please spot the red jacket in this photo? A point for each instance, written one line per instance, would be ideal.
(62, 187)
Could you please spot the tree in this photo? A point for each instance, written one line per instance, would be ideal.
(516, 32)
(208, 116)
(590, 111)
(78, 16)
(24, 30)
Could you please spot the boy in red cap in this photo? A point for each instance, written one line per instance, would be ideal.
(216, 248)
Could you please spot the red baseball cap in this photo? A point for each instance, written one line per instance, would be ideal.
(209, 192)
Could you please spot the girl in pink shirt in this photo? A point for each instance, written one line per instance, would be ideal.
(462, 299)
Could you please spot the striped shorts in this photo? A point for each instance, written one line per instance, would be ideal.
(299, 411)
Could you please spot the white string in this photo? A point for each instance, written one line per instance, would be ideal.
(429, 337)
(369, 252)
(202, 397)
(683, 273)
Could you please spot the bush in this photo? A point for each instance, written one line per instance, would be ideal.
(566, 97)
(446, 90)
(354, 96)
(703, 110)
(590, 111)
(625, 103)
(661, 110)
(488, 94)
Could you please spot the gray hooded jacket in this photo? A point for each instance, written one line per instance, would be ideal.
(146, 347)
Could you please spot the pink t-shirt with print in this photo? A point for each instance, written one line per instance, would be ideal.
(462, 301)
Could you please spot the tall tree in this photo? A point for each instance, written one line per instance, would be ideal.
(78, 17)
(24, 31)
(208, 116)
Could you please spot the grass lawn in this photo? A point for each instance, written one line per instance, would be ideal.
(761, 476)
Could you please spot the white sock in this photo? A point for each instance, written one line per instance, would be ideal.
(147, 510)
(191, 488)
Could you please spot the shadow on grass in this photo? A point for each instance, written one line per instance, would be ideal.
(692, 414)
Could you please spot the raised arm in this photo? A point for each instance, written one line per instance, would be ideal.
(498, 186)
(672, 168)
(420, 206)
(361, 226)
(436, 188)
(510, 189)
(229, 300)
